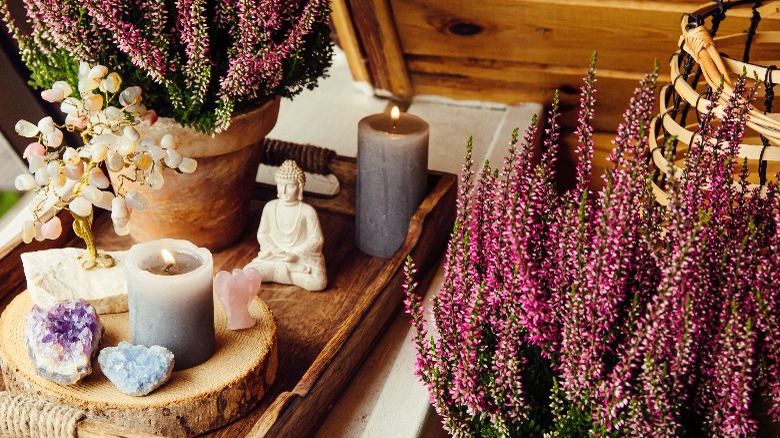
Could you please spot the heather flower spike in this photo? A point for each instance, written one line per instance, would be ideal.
(203, 60)
(602, 313)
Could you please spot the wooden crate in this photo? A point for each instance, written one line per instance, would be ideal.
(516, 50)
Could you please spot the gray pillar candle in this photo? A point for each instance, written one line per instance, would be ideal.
(392, 180)
(171, 304)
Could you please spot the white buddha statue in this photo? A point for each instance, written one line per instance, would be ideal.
(290, 235)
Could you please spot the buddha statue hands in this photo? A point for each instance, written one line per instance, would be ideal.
(290, 236)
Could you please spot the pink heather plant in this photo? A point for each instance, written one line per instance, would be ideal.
(197, 60)
(605, 314)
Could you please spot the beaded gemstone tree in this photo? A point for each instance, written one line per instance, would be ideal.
(73, 178)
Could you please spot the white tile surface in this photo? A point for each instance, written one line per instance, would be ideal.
(328, 115)
(384, 399)
(490, 126)
(404, 403)
(451, 126)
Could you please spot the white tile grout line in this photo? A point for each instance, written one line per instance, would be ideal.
(447, 101)
(498, 133)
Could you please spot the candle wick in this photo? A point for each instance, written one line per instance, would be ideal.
(394, 124)
(168, 267)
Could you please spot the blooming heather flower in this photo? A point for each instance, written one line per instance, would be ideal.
(195, 37)
(129, 38)
(604, 313)
(203, 59)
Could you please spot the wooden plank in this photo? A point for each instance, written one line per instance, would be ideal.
(374, 23)
(516, 51)
(512, 71)
(514, 83)
(627, 35)
(526, 83)
(348, 40)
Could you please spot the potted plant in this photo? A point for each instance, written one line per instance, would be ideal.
(606, 313)
(213, 71)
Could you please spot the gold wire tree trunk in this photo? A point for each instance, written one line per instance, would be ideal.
(82, 226)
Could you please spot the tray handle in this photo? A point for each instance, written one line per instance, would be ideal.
(27, 416)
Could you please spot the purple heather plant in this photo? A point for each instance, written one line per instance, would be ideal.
(197, 60)
(604, 313)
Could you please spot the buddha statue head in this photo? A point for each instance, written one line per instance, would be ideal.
(290, 180)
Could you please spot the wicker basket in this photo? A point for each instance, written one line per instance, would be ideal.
(698, 67)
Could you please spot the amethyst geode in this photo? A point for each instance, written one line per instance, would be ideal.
(62, 339)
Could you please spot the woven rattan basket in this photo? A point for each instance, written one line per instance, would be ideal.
(704, 61)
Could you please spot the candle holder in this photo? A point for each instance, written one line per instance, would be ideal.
(172, 308)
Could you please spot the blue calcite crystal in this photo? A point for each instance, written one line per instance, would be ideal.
(62, 339)
(136, 369)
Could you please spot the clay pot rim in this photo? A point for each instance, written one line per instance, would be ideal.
(255, 123)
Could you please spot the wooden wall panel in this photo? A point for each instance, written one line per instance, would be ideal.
(516, 83)
(559, 33)
(348, 40)
(628, 35)
(516, 51)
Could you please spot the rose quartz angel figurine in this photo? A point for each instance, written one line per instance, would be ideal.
(236, 291)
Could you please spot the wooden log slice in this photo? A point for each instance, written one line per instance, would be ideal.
(193, 401)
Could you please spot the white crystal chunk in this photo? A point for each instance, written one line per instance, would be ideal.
(135, 200)
(188, 165)
(97, 72)
(67, 90)
(173, 158)
(25, 182)
(56, 275)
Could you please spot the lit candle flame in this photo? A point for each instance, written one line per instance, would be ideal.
(395, 113)
(168, 259)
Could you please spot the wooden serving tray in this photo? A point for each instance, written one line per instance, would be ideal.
(322, 336)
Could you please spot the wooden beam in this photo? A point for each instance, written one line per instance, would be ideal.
(375, 24)
(348, 40)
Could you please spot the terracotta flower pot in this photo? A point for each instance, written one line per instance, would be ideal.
(208, 207)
